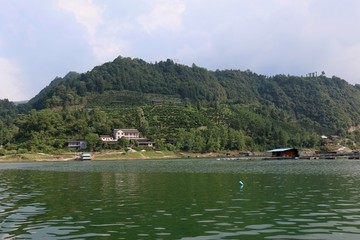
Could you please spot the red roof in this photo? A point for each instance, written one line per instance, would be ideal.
(103, 136)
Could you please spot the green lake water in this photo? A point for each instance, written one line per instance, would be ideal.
(181, 199)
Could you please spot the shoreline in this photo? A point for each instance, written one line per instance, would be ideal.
(104, 156)
(149, 155)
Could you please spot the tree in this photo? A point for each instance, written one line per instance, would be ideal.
(123, 142)
(93, 141)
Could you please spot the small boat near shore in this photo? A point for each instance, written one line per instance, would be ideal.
(85, 156)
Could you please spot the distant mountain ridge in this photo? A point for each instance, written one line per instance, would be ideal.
(317, 101)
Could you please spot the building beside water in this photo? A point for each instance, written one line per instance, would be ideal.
(77, 144)
(284, 152)
(131, 134)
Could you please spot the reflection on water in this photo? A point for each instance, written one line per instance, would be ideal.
(180, 199)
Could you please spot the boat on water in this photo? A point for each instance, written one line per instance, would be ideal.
(85, 156)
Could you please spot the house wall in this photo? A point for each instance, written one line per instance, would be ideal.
(107, 138)
(131, 135)
(77, 144)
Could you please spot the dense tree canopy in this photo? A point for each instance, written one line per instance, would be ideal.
(182, 107)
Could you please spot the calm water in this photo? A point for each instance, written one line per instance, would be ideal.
(181, 199)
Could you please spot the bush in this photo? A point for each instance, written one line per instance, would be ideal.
(22, 151)
(2, 152)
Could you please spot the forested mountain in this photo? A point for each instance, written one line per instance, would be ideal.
(188, 108)
(134, 75)
(7, 109)
(325, 103)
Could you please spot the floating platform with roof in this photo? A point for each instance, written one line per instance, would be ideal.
(284, 153)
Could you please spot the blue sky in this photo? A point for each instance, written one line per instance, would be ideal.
(42, 39)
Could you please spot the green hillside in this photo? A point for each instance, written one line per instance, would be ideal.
(184, 108)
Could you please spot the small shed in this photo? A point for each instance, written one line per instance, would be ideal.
(285, 152)
(77, 144)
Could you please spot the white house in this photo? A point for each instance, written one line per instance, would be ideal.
(127, 133)
(131, 134)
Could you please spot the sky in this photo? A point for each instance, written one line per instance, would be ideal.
(44, 39)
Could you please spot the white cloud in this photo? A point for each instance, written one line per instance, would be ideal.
(11, 81)
(166, 14)
(103, 35)
(109, 49)
(85, 12)
(265, 36)
(344, 63)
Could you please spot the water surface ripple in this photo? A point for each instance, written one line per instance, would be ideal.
(180, 199)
